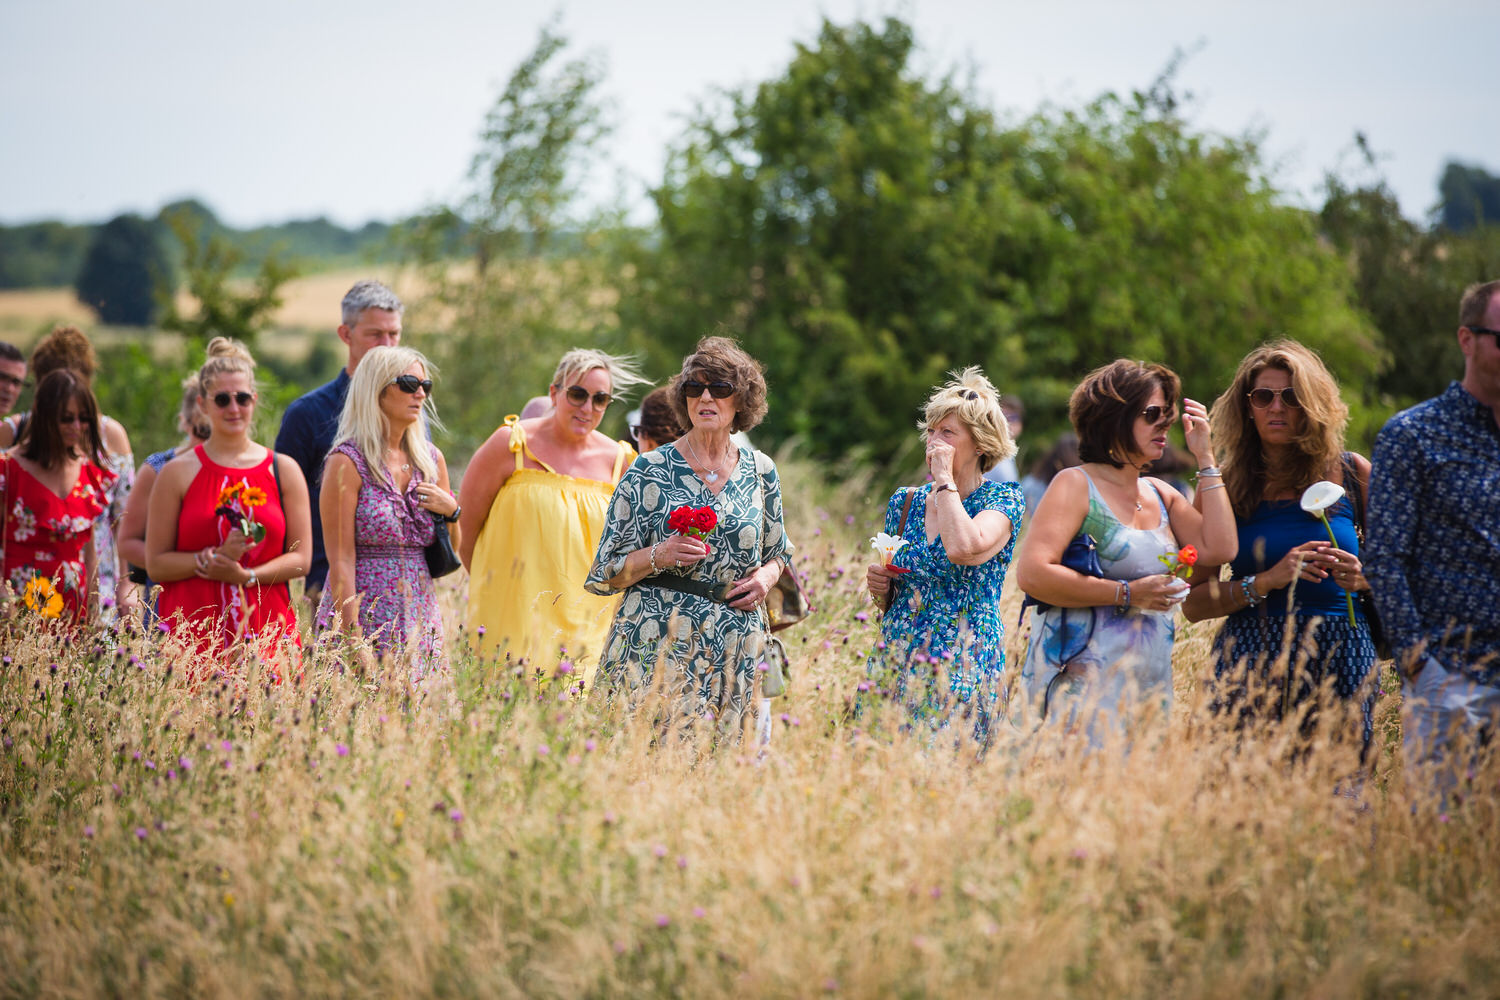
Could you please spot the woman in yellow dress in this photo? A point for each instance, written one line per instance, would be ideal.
(535, 499)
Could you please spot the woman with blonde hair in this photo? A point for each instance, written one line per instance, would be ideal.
(941, 591)
(1281, 426)
(229, 528)
(383, 497)
(538, 492)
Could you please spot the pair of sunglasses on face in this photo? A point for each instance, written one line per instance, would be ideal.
(69, 419)
(223, 399)
(718, 390)
(409, 384)
(1154, 414)
(1262, 398)
(578, 395)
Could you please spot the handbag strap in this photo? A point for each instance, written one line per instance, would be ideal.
(1355, 490)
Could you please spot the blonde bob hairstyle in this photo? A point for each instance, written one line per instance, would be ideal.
(1319, 447)
(971, 397)
(622, 370)
(363, 422)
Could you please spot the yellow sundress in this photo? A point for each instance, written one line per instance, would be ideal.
(526, 596)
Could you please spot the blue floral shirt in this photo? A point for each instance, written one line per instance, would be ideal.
(1434, 533)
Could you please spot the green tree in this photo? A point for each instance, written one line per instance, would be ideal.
(123, 266)
(1470, 197)
(209, 262)
(864, 229)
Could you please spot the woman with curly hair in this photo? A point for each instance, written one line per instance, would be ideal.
(941, 591)
(1281, 425)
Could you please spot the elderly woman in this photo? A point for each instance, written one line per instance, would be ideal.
(536, 495)
(695, 603)
(1281, 425)
(1106, 641)
(941, 592)
(383, 497)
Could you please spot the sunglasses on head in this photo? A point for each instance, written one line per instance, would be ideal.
(409, 384)
(578, 395)
(718, 390)
(1154, 414)
(1262, 398)
(223, 399)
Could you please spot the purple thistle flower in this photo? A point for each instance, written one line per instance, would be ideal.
(341, 750)
(589, 745)
(140, 833)
(226, 746)
(455, 815)
(699, 912)
(663, 921)
(88, 832)
(660, 850)
(543, 750)
(184, 763)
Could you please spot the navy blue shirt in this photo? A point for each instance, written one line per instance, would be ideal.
(1434, 539)
(306, 434)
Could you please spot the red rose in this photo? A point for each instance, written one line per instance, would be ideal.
(1187, 555)
(707, 519)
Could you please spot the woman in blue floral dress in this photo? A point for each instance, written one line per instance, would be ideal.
(942, 641)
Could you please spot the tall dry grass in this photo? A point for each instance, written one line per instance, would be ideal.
(480, 836)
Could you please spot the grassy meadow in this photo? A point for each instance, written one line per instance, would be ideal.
(483, 835)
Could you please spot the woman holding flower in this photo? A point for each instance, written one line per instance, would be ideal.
(383, 498)
(1288, 622)
(229, 526)
(54, 486)
(694, 595)
(942, 559)
(1101, 645)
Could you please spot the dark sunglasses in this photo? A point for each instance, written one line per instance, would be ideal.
(578, 395)
(69, 419)
(718, 390)
(1262, 398)
(223, 399)
(1154, 414)
(409, 384)
(1485, 329)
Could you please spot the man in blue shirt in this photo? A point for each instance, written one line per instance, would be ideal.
(371, 318)
(1434, 550)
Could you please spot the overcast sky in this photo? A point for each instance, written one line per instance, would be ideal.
(294, 108)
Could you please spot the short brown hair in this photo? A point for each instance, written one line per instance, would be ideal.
(658, 419)
(41, 439)
(1475, 301)
(1107, 402)
(721, 359)
(64, 347)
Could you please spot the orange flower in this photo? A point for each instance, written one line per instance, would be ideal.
(40, 596)
(229, 494)
(253, 496)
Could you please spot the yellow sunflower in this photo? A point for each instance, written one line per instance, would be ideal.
(40, 596)
(253, 496)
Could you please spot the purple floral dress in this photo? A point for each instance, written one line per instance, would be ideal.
(398, 609)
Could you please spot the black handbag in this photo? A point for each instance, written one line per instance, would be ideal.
(1355, 493)
(441, 559)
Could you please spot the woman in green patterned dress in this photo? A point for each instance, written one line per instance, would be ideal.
(694, 604)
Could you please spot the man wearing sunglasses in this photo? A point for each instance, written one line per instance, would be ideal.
(12, 376)
(371, 315)
(1434, 562)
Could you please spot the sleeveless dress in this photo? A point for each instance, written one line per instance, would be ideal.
(526, 596)
(1324, 643)
(156, 461)
(398, 609)
(945, 617)
(209, 616)
(45, 535)
(1115, 662)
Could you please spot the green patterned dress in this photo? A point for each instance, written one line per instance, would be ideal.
(712, 648)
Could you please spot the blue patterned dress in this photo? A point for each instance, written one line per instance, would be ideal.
(1114, 662)
(945, 618)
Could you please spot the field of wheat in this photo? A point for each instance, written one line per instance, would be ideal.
(484, 835)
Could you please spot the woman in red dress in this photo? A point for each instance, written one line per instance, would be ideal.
(224, 590)
(54, 488)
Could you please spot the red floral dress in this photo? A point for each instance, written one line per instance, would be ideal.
(45, 535)
(212, 616)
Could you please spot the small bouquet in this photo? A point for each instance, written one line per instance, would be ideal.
(694, 521)
(886, 546)
(1180, 563)
(237, 502)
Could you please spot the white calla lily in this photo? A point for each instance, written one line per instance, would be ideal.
(887, 546)
(1321, 495)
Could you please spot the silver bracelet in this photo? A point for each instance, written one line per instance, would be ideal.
(1215, 486)
(1210, 470)
(654, 570)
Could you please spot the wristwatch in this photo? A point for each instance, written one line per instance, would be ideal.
(453, 517)
(944, 487)
(254, 580)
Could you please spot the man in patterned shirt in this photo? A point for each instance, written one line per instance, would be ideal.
(1434, 549)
